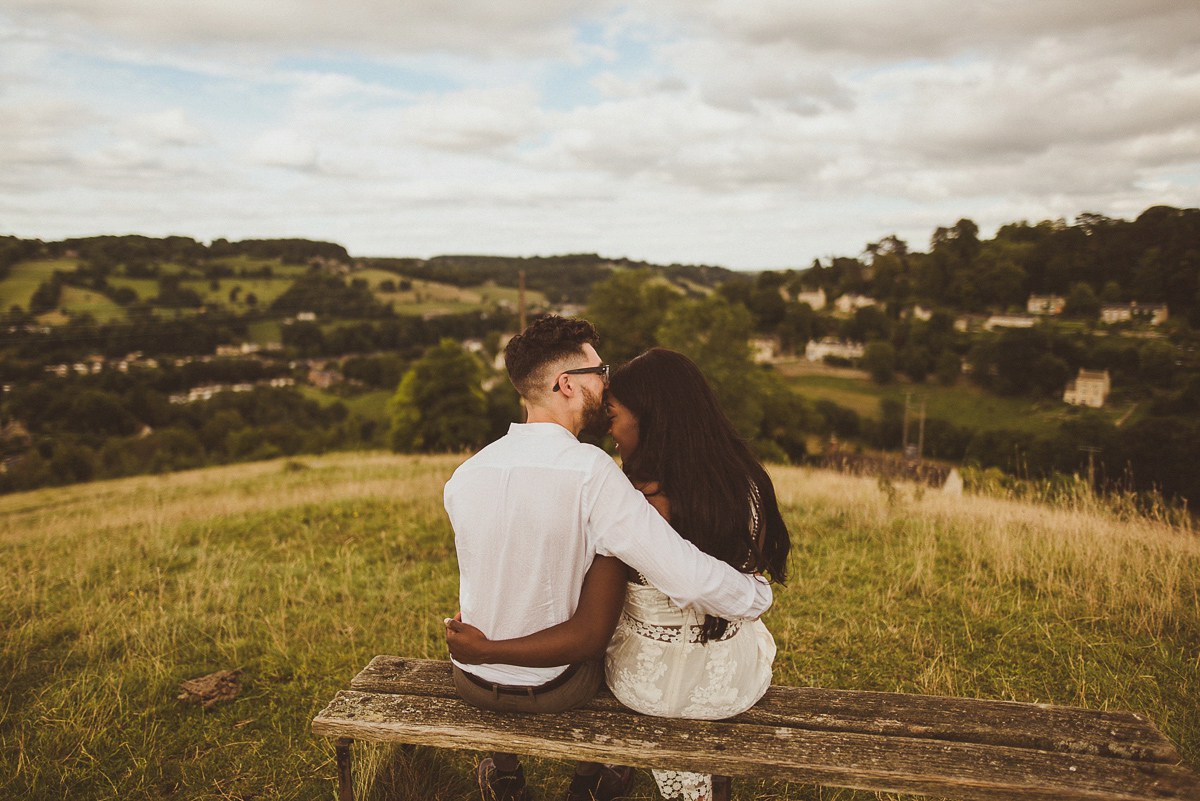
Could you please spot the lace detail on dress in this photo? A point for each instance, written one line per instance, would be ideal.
(657, 665)
(659, 633)
(681, 784)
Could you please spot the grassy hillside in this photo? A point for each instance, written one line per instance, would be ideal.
(299, 571)
(963, 404)
(231, 292)
(24, 278)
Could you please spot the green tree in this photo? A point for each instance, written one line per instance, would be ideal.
(1082, 302)
(868, 323)
(627, 308)
(440, 404)
(948, 368)
(503, 409)
(99, 413)
(915, 361)
(796, 328)
(879, 359)
(715, 334)
(46, 296)
(787, 419)
(1050, 374)
(1157, 362)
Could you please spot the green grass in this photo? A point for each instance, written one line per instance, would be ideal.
(264, 332)
(299, 571)
(250, 264)
(146, 288)
(79, 301)
(425, 297)
(371, 405)
(962, 404)
(265, 289)
(432, 296)
(23, 280)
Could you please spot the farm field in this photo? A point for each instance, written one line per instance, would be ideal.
(264, 332)
(426, 297)
(299, 571)
(24, 278)
(371, 405)
(81, 301)
(423, 297)
(962, 404)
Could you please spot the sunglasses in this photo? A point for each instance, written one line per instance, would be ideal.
(600, 370)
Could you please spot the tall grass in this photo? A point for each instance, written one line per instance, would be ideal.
(298, 571)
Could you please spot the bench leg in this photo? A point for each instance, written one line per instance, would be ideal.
(345, 782)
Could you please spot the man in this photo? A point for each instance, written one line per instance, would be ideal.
(532, 513)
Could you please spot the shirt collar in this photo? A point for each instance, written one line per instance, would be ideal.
(539, 430)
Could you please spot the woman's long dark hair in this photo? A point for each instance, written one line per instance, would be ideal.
(721, 498)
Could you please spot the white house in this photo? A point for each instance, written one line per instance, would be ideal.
(1045, 304)
(1155, 313)
(763, 349)
(1009, 321)
(815, 299)
(816, 351)
(848, 303)
(1089, 388)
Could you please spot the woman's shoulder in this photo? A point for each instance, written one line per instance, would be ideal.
(647, 487)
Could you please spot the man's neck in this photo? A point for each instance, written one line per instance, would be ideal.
(541, 414)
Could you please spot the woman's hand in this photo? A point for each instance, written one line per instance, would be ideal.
(467, 643)
(584, 636)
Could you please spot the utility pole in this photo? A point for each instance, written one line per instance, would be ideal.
(904, 446)
(521, 296)
(921, 435)
(1092, 450)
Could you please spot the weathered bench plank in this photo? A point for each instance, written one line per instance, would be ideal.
(1038, 726)
(875, 762)
(954, 747)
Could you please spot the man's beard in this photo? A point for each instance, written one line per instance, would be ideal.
(595, 416)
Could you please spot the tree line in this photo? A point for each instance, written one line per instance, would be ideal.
(441, 403)
(113, 424)
(562, 279)
(1154, 258)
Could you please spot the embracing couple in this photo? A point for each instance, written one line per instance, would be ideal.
(572, 571)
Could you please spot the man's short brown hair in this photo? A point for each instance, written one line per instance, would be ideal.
(544, 343)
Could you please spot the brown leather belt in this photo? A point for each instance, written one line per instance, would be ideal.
(520, 689)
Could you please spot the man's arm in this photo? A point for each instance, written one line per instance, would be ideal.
(626, 526)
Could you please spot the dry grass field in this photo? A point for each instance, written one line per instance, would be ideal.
(298, 571)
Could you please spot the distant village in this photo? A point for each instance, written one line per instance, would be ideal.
(1087, 388)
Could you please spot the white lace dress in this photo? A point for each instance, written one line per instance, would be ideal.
(656, 665)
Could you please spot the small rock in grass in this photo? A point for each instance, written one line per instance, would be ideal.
(224, 685)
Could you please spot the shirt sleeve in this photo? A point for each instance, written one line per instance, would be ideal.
(625, 525)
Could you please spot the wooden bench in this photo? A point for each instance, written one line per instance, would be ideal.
(950, 747)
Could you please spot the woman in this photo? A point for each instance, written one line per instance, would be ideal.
(682, 452)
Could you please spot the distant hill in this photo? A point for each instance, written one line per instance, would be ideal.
(562, 279)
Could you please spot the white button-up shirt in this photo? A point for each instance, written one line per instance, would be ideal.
(531, 510)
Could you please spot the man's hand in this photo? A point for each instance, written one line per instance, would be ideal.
(467, 643)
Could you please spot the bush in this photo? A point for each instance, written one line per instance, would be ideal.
(879, 359)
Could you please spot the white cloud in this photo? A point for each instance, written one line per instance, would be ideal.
(743, 132)
(473, 120)
(284, 147)
(170, 127)
(486, 28)
(885, 30)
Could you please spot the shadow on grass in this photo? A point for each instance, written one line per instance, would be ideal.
(412, 773)
(422, 773)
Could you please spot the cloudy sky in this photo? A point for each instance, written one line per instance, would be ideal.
(746, 133)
